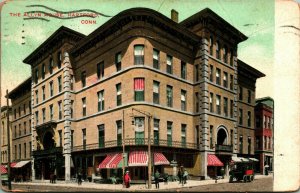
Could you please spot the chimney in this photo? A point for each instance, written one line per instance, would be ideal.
(174, 15)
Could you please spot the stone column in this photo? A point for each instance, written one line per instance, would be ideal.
(235, 101)
(67, 116)
(33, 131)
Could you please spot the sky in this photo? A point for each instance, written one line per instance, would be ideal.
(21, 37)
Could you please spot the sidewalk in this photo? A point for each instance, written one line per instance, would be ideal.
(138, 187)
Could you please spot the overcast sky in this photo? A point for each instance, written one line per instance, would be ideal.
(253, 18)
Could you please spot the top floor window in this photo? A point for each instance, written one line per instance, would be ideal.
(249, 96)
(183, 70)
(59, 59)
(169, 96)
(211, 73)
(118, 59)
(218, 72)
(51, 88)
(36, 78)
(51, 65)
(231, 57)
(218, 50)
(211, 43)
(43, 70)
(183, 100)
(241, 93)
(139, 55)
(100, 70)
(169, 64)
(83, 79)
(225, 80)
(156, 59)
(225, 55)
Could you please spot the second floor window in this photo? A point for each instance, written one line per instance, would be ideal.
(118, 61)
(119, 94)
(183, 70)
(241, 116)
(183, 135)
(59, 110)
(225, 107)
(101, 135)
(139, 55)
(83, 79)
(51, 88)
(51, 112)
(211, 99)
(231, 108)
(44, 115)
(156, 131)
(139, 89)
(169, 96)
(231, 82)
(169, 64)
(36, 118)
(211, 79)
(155, 92)
(59, 84)
(241, 144)
(249, 119)
(119, 132)
(100, 100)
(43, 93)
(84, 138)
(218, 72)
(36, 100)
(183, 100)
(225, 80)
(83, 106)
(156, 59)
(218, 105)
(169, 133)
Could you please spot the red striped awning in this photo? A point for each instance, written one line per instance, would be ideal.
(13, 164)
(160, 159)
(213, 160)
(138, 158)
(139, 84)
(108, 158)
(3, 170)
(115, 161)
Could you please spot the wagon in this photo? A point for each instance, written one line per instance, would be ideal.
(242, 169)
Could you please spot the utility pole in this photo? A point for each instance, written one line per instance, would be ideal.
(8, 142)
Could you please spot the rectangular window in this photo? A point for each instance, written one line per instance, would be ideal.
(183, 100)
(218, 72)
(15, 152)
(197, 102)
(60, 138)
(249, 145)
(183, 135)
(29, 106)
(211, 99)
(225, 105)
(156, 131)
(100, 70)
(231, 82)
(225, 79)
(83, 79)
(101, 139)
(119, 94)
(59, 110)
(59, 84)
(83, 107)
(71, 82)
(231, 108)
(16, 131)
(19, 111)
(139, 89)
(183, 70)
(197, 137)
(51, 112)
(265, 121)
(20, 150)
(169, 133)
(211, 44)
(249, 96)
(155, 92)
(100, 95)
(37, 117)
(20, 133)
(36, 75)
(50, 65)
(241, 144)
(72, 109)
(218, 50)
(225, 54)
(36, 99)
(257, 120)
(197, 72)
(156, 59)
(211, 79)
(218, 105)
(59, 59)
(231, 137)
(51, 88)
(241, 116)
(25, 129)
(72, 138)
(24, 107)
(249, 119)
(231, 57)
(43, 93)
(44, 115)
(241, 93)
(119, 132)
(139, 130)
(139, 55)
(118, 61)
(169, 96)
(169, 64)
(211, 136)
(84, 138)
(25, 152)
(43, 70)
(30, 126)
(30, 148)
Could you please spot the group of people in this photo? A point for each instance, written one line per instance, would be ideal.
(182, 176)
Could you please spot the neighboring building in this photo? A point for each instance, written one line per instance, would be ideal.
(87, 90)
(21, 132)
(264, 129)
(3, 140)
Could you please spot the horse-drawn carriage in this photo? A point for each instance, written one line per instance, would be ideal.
(242, 169)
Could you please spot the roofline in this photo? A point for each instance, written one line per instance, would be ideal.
(214, 16)
(264, 98)
(134, 12)
(249, 68)
(48, 40)
(18, 87)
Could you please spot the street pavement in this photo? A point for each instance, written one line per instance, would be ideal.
(90, 186)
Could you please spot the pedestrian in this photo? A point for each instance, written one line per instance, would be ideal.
(179, 174)
(52, 178)
(185, 176)
(222, 172)
(127, 179)
(79, 175)
(156, 179)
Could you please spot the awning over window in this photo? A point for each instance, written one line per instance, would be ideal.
(12, 164)
(138, 158)
(20, 164)
(108, 159)
(160, 159)
(254, 159)
(213, 160)
(113, 161)
(3, 170)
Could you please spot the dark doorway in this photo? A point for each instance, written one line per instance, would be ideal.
(222, 137)
(48, 141)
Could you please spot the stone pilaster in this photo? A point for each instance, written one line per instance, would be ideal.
(32, 128)
(67, 116)
(235, 101)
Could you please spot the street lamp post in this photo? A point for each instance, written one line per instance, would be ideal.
(149, 117)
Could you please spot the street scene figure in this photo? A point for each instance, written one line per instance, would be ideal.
(127, 179)
(79, 175)
(156, 179)
(179, 174)
(222, 172)
(185, 176)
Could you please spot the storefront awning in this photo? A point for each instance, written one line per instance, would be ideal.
(213, 160)
(12, 164)
(236, 159)
(108, 158)
(3, 170)
(160, 159)
(138, 158)
(253, 159)
(20, 164)
(113, 160)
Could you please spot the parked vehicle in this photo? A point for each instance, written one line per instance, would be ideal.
(242, 169)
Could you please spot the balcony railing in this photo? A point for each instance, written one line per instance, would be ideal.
(47, 151)
(136, 142)
(224, 148)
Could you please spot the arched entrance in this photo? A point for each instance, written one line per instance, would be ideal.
(48, 141)
(222, 137)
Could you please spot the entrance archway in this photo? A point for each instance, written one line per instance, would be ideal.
(48, 141)
(222, 137)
